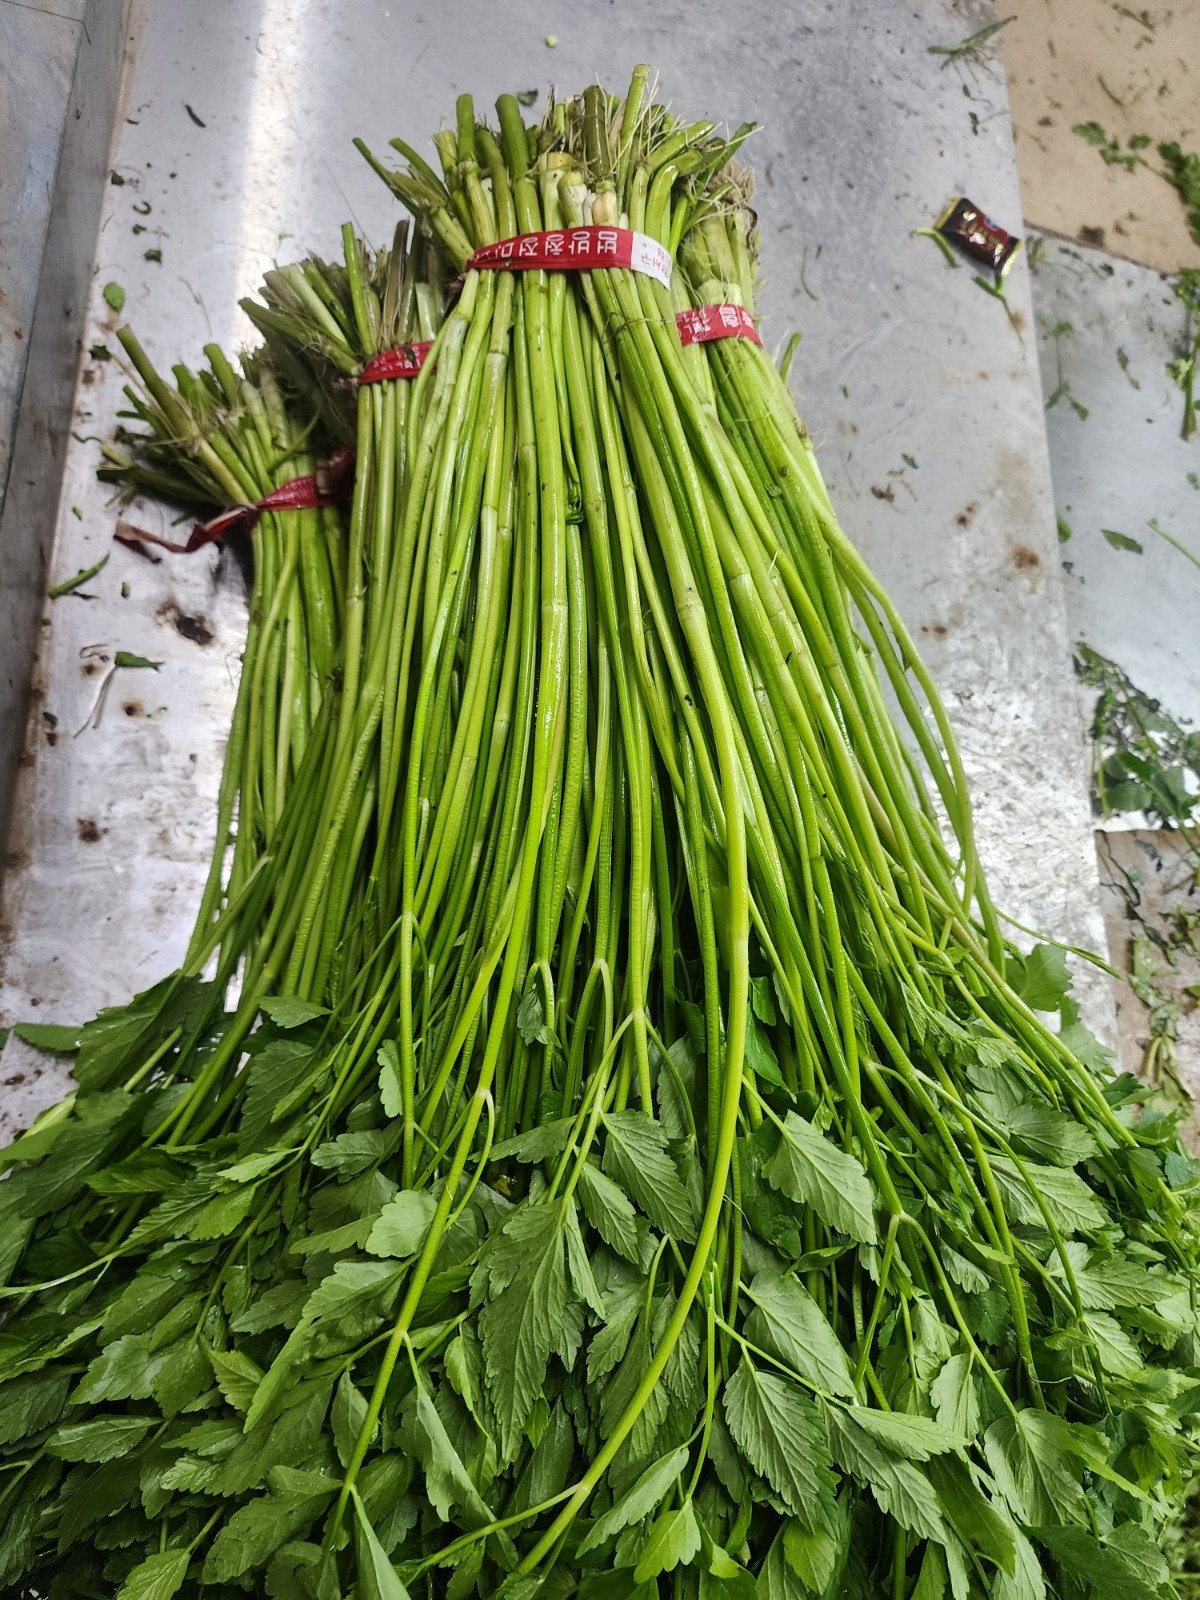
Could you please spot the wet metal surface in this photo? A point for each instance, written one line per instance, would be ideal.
(1109, 329)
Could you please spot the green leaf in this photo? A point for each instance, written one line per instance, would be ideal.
(159, 1577)
(126, 658)
(901, 1489)
(933, 1576)
(526, 1271)
(811, 1169)
(124, 1370)
(351, 1300)
(1122, 541)
(1081, 1041)
(531, 1018)
(347, 1416)
(760, 1054)
(254, 1533)
(963, 1272)
(1134, 1544)
(762, 1001)
(974, 1518)
(1048, 1133)
(1068, 1200)
(403, 1225)
(50, 1036)
(915, 1438)
(637, 1157)
(812, 1554)
(352, 1153)
(1117, 1351)
(237, 1377)
(254, 1167)
(788, 1323)
(114, 297)
(1106, 1281)
(1045, 978)
(1102, 1568)
(955, 1398)
(377, 1577)
(538, 1144)
(674, 1540)
(778, 1580)
(103, 1440)
(609, 1210)
(286, 1011)
(447, 1482)
(1037, 1460)
(31, 1403)
(639, 1501)
(779, 1432)
(391, 1092)
(278, 1307)
(1028, 1581)
(579, 1268)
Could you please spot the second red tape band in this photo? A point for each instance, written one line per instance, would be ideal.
(699, 325)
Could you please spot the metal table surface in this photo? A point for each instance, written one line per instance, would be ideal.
(924, 400)
(1110, 329)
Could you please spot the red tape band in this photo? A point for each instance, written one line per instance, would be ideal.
(403, 362)
(577, 250)
(314, 489)
(704, 323)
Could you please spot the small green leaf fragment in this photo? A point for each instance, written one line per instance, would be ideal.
(779, 1433)
(1122, 541)
(114, 297)
(126, 658)
(402, 1225)
(289, 1012)
(638, 1502)
(50, 1036)
(391, 1090)
(674, 1540)
(1045, 978)
(809, 1168)
(159, 1577)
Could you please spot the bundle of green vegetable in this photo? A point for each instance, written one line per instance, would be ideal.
(635, 1164)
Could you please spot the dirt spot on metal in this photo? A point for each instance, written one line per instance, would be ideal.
(967, 515)
(887, 493)
(51, 737)
(133, 708)
(196, 628)
(88, 830)
(1025, 559)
